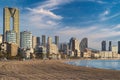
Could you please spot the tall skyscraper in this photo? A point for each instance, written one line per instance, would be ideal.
(38, 41)
(49, 40)
(57, 40)
(119, 47)
(64, 47)
(110, 46)
(26, 39)
(83, 44)
(11, 37)
(8, 15)
(74, 47)
(72, 44)
(1, 38)
(44, 40)
(34, 42)
(52, 49)
(103, 44)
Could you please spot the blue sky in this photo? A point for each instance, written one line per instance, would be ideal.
(95, 19)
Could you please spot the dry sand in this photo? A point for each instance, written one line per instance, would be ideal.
(52, 70)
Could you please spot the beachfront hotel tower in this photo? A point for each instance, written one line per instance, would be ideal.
(11, 19)
(103, 46)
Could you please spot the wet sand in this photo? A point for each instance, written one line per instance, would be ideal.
(52, 70)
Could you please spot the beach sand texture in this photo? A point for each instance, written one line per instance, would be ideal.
(52, 70)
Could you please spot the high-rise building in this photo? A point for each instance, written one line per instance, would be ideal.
(52, 49)
(44, 40)
(72, 44)
(83, 44)
(38, 41)
(114, 49)
(64, 47)
(11, 14)
(34, 42)
(110, 46)
(74, 47)
(1, 38)
(49, 40)
(119, 47)
(103, 45)
(26, 39)
(57, 40)
(11, 37)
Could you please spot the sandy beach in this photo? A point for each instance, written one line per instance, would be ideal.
(52, 70)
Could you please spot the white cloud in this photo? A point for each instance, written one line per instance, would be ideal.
(106, 15)
(44, 12)
(53, 3)
(75, 31)
(42, 16)
(96, 1)
(51, 23)
(103, 15)
(101, 2)
(117, 26)
(47, 7)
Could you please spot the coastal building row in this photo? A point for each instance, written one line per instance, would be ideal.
(24, 40)
(74, 48)
(113, 48)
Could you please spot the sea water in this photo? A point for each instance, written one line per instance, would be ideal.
(103, 64)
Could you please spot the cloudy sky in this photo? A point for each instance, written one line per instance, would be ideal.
(95, 19)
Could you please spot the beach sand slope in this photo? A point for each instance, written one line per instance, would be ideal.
(52, 70)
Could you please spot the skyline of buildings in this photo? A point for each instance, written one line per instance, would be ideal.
(111, 48)
(67, 27)
(11, 16)
(42, 34)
